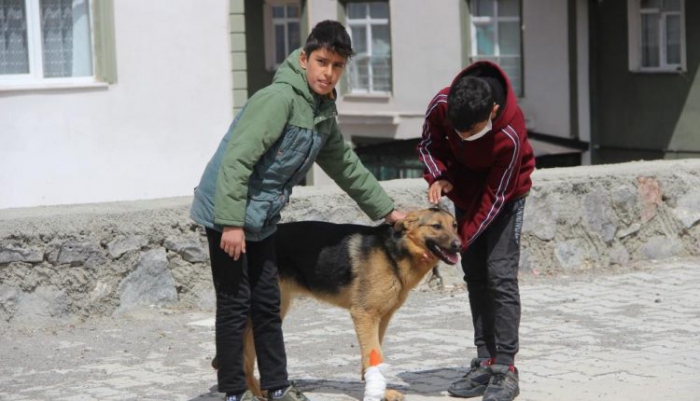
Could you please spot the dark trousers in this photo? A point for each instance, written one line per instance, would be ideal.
(247, 287)
(490, 267)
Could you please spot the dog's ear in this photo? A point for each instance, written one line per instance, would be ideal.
(401, 226)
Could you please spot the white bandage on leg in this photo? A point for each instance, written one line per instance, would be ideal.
(375, 383)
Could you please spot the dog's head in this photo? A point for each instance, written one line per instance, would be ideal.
(431, 233)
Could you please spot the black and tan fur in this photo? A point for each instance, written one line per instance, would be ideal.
(367, 270)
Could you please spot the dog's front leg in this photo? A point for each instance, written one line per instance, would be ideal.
(367, 329)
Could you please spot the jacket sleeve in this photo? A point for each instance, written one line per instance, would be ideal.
(343, 165)
(260, 125)
(434, 149)
(498, 189)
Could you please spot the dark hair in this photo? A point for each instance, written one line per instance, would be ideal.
(330, 35)
(469, 101)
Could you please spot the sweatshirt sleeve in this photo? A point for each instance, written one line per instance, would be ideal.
(343, 165)
(499, 187)
(260, 125)
(433, 149)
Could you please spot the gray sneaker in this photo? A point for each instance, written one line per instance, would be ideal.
(503, 385)
(247, 396)
(474, 383)
(292, 393)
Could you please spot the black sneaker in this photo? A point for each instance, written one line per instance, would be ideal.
(503, 385)
(474, 383)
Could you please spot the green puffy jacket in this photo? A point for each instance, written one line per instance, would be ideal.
(270, 146)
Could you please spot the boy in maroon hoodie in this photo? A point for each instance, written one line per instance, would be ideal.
(475, 151)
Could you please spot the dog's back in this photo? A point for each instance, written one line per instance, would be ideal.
(316, 255)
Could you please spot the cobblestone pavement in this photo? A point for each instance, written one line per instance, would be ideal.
(631, 335)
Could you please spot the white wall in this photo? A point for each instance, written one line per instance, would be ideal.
(546, 66)
(147, 136)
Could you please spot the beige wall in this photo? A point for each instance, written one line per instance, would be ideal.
(147, 136)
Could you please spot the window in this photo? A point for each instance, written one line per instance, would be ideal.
(496, 33)
(283, 31)
(45, 41)
(370, 70)
(657, 35)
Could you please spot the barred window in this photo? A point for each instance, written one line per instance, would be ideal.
(657, 35)
(45, 40)
(368, 24)
(496, 36)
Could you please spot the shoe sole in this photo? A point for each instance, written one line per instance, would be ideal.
(475, 392)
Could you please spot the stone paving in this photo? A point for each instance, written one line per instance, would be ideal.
(632, 335)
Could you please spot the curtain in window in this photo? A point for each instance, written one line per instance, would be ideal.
(66, 41)
(14, 51)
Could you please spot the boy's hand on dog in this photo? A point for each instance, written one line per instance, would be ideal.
(394, 216)
(233, 241)
(436, 190)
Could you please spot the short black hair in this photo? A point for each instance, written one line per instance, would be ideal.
(469, 101)
(332, 36)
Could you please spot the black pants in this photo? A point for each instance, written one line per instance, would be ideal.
(247, 287)
(490, 267)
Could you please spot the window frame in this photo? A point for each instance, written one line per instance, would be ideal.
(493, 21)
(367, 23)
(634, 19)
(269, 24)
(35, 78)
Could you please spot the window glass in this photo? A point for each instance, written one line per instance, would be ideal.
(379, 10)
(509, 37)
(672, 5)
(651, 3)
(65, 29)
(293, 11)
(484, 8)
(357, 10)
(280, 51)
(673, 39)
(359, 39)
(278, 12)
(509, 8)
(294, 32)
(650, 40)
(485, 40)
(14, 53)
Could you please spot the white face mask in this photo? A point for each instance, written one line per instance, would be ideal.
(479, 134)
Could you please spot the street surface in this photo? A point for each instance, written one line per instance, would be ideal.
(627, 335)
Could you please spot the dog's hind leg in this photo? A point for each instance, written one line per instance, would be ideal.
(383, 324)
(249, 357)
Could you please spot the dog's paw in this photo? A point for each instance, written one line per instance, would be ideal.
(435, 283)
(393, 395)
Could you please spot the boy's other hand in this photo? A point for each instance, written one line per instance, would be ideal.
(233, 241)
(394, 216)
(436, 190)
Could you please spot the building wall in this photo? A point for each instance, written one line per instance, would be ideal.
(546, 67)
(428, 47)
(642, 115)
(149, 135)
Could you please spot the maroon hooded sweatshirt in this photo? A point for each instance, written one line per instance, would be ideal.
(485, 173)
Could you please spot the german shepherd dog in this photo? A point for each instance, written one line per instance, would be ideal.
(367, 270)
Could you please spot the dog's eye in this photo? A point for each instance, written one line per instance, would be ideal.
(437, 226)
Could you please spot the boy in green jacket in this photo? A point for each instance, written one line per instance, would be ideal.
(270, 146)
